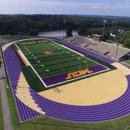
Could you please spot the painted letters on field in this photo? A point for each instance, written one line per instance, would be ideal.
(78, 73)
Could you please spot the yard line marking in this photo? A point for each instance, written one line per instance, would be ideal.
(83, 56)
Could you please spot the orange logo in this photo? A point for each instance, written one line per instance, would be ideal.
(47, 52)
(78, 73)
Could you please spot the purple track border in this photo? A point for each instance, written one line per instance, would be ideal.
(97, 113)
(25, 113)
(19, 59)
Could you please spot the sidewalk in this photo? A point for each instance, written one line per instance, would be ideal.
(5, 107)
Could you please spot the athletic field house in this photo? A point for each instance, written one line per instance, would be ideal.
(61, 80)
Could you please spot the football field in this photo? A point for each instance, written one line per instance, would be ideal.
(56, 64)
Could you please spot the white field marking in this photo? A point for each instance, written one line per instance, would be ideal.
(72, 50)
(31, 66)
(85, 57)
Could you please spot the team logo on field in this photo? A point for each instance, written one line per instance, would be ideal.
(78, 73)
(47, 52)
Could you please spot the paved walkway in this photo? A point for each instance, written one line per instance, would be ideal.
(5, 107)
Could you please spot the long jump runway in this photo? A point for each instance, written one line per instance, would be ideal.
(96, 99)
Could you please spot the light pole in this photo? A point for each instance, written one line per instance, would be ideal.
(116, 51)
(63, 28)
(104, 21)
(0, 52)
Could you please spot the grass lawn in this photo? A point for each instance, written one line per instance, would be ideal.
(1, 115)
(13, 47)
(32, 79)
(6, 82)
(128, 62)
(101, 62)
(8, 37)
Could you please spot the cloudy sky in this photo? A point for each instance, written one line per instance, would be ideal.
(89, 7)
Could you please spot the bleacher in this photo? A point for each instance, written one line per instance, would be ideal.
(102, 48)
(110, 50)
(80, 40)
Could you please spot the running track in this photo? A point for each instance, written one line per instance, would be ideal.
(109, 111)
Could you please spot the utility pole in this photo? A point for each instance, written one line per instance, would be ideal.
(116, 52)
(104, 22)
(63, 30)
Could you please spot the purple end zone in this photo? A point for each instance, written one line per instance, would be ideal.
(19, 58)
(62, 77)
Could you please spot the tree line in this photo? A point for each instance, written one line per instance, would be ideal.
(85, 26)
(12, 24)
(124, 39)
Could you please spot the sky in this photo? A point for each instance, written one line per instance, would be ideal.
(88, 7)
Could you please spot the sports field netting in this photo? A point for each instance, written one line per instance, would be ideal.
(53, 62)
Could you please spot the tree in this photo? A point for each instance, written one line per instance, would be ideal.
(69, 31)
(11, 24)
(33, 32)
(106, 35)
(82, 30)
(126, 43)
(122, 37)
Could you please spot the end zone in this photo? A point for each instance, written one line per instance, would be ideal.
(71, 76)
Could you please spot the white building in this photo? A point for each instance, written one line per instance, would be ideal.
(113, 34)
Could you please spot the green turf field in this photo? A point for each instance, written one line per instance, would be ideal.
(60, 61)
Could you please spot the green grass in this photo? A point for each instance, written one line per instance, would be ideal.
(101, 62)
(128, 62)
(8, 37)
(13, 47)
(1, 115)
(32, 79)
(6, 82)
(13, 111)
